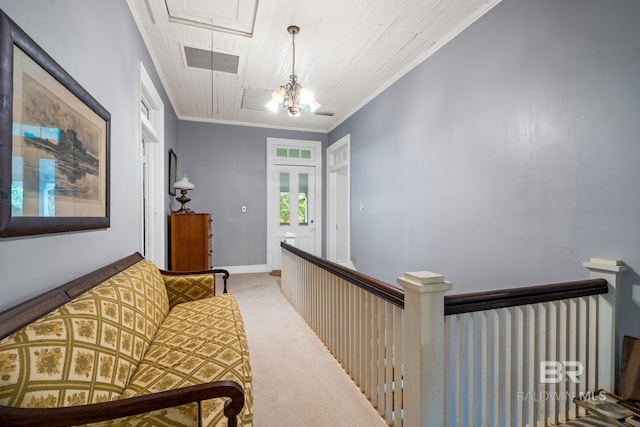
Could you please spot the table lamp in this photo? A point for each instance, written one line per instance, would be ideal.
(183, 185)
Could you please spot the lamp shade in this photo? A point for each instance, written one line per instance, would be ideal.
(184, 184)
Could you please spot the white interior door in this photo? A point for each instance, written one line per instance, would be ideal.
(342, 225)
(152, 221)
(339, 202)
(145, 200)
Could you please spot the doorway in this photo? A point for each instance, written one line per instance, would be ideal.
(294, 196)
(151, 122)
(339, 202)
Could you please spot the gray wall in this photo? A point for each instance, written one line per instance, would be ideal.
(510, 156)
(228, 166)
(512, 160)
(98, 44)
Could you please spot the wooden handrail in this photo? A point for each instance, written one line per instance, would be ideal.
(387, 292)
(491, 300)
(83, 414)
(463, 303)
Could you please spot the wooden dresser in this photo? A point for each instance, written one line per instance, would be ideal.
(190, 237)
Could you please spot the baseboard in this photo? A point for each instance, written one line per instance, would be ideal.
(239, 269)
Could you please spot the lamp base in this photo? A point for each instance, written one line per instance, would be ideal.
(183, 199)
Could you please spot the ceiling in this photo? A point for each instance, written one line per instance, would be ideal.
(347, 52)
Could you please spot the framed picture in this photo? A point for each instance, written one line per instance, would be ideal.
(54, 144)
(173, 168)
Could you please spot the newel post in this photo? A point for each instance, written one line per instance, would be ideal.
(608, 320)
(424, 348)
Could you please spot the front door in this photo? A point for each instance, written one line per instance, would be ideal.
(293, 197)
(296, 206)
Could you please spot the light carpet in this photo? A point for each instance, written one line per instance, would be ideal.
(296, 380)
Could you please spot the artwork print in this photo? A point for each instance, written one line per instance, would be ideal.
(56, 168)
(58, 148)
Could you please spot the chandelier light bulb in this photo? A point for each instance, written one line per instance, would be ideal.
(273, 105)
(306, 96)
(279, 95)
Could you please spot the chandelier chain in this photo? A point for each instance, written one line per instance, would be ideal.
(293, 63)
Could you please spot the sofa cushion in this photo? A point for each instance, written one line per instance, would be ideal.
(189, 287)
(198, 342)
(86, 350)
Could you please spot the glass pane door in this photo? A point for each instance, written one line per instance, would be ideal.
(296, 204)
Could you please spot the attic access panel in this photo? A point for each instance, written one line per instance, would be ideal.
(229, 16)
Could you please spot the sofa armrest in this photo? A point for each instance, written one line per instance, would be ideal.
(82, 414)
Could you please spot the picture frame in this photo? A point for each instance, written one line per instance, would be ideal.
(54, 144)
(173, 171)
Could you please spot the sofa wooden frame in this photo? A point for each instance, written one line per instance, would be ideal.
(21, 315)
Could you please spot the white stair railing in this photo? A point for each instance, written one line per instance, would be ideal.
(523, 365)
(501, 358)
(359, 319)
(519, 357)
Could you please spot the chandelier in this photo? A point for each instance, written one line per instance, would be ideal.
(293, 97)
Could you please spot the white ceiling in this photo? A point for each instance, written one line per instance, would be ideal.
(347, 52)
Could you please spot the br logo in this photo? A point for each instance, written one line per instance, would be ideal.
(554, 372)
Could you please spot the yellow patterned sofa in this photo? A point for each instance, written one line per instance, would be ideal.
(126, 345)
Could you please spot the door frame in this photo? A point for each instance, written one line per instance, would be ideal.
(272, 207)
(338, 159)
(151, 131)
